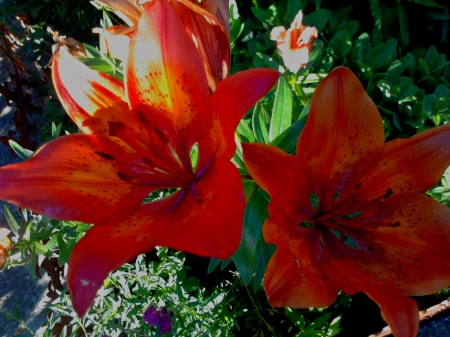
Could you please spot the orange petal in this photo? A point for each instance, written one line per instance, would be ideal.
(103, 249)
(125, 9)
(274, 171)
(96, 102)
(409, 165)
(353, 271)
(165, 79)
(343, 138)
(292, 279)
(413, 237)
(209, 37)
(207, 217)
(398, 310)
(234, 97)
(77, 177)
(223, 15)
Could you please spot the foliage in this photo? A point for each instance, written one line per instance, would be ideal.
(409, 83)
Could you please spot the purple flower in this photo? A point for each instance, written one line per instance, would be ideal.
(158, 317)
(151, 316)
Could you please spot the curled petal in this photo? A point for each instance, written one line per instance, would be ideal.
(409, 165)
(278, 34)
(209, 37)
(77, 177)
(96, 102)
(335, 164)
(234, 96)
(274, 171)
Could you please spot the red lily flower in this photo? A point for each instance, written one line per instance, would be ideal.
(372, 230)
(138, 138)
(207, 24)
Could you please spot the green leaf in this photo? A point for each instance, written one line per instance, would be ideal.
(403, 22)
(270, 62)
(260, 119)
(341, 43)
(245, 133)
(254, 216)
(23, 153)
(319, 18)
(428, 3)
(282, 109)
(382, 53)
(213, 264)
(11, 221)
(287, 141)
(376, 13)
(293, 7)
(63, 257)
(265, 252)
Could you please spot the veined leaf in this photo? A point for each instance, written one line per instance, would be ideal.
(259, 123)
(282, 110)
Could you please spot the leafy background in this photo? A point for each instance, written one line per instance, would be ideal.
(397, 48)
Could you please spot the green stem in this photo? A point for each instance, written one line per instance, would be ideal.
(259, 314)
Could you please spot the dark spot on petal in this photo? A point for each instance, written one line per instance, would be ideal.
(395, 224)
(388, 193)
(105, 155)
(114, 127)
(124, 177)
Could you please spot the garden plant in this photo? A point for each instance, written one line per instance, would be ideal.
(226, 167)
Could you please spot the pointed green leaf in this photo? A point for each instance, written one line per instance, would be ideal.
(11, 221)
(254, 216)
(403, 22)
(259, 124)
(23, 153)
(213, 264)
(282, 109)
(287, 141)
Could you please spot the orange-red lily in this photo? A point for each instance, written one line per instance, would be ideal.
(207, 23)
(137, 139)
(295, 44)
(372, 229)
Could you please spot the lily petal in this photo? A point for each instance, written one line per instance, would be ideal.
(343, 138)
(355, 271)
(274, 171)
(209, 37)
(412, 234)
(96, 102)
(206, 219)
(409, 165)
(77, 177)
(292, 278)
(234, 97)
(168, 90)
(103, 249)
